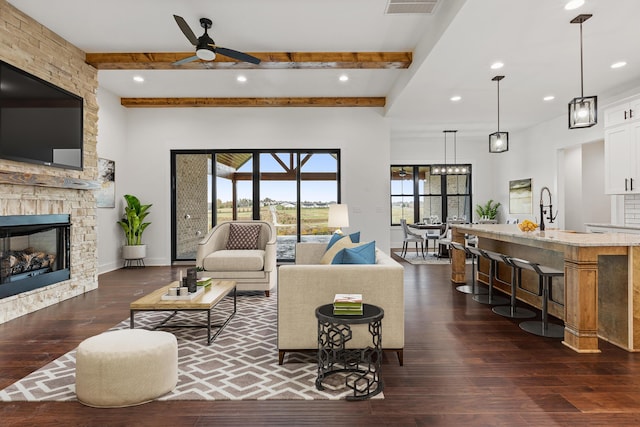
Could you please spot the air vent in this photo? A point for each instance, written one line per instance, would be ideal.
(411, 6)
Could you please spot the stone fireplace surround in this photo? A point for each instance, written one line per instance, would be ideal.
(27, 189)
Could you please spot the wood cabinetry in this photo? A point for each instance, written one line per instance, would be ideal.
(621, 152)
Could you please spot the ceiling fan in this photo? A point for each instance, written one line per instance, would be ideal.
(206, 49)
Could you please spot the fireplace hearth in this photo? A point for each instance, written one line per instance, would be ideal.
(34, 252)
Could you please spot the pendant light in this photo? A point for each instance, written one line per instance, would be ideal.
(446, 168)
(498, 141)
(583, 111)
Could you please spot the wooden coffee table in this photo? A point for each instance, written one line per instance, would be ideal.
(205, 302)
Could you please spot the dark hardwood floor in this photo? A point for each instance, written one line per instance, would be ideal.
(463, 366)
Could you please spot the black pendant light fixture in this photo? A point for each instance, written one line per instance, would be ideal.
(498, 141)
(583, 111)
(446, 168)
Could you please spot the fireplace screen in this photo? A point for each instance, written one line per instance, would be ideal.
(34, 252)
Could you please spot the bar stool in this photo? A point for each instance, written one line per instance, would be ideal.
(545, 274)
(466, 289)
(493, 258)
(512, 311)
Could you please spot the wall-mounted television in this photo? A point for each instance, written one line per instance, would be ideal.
(39, 122)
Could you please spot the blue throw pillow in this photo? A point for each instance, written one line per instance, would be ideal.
(363, 254)
(355, 238)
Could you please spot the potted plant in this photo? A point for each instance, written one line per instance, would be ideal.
(488, 211)
(133, 225)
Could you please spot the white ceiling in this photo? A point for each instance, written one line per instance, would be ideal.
(453, 49)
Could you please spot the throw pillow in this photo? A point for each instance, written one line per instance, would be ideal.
(243, 236)
(361, 254)
(355, 238)
(344, 242)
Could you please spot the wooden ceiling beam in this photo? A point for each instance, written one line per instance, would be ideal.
(253, 102)
(269, 61)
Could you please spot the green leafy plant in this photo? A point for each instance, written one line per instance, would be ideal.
(132, 221)
(489, 210)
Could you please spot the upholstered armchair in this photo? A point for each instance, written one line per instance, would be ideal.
(244, 251)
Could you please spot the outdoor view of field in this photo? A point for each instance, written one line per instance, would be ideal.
(314, 218)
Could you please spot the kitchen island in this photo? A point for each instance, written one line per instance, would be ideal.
(600, 294)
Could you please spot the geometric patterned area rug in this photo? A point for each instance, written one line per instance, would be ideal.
(241, 364)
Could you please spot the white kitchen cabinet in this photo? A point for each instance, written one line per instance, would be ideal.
(625, 112)
(621, 152)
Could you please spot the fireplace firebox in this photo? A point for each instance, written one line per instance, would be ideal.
(34, 252)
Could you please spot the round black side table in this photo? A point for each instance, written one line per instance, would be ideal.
(361, 364)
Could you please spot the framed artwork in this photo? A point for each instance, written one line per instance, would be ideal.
(106, 195)
(520, 196)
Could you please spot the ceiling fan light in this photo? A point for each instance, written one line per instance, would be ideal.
(583, 112)
(206, 53)
(499, 142)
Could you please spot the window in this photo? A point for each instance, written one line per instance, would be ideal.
(290, 188)
(417, 194)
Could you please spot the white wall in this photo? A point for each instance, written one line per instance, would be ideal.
(112, 145)
(362, 134)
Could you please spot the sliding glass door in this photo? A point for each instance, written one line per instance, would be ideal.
(290, 188)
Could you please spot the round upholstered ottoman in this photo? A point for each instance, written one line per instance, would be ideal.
(126, 367)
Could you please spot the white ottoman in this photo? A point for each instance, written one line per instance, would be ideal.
(126, 367)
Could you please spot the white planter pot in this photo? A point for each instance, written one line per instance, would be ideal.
(134, 252)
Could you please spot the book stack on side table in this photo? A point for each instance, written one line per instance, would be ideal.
(347, 304)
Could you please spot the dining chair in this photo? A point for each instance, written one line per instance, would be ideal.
(410, 237)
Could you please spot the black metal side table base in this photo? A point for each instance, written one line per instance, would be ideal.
(362, 365)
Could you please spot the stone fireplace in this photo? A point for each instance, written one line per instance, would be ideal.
(28, 189)
(34, 252)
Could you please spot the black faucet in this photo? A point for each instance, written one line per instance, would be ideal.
(551, 217)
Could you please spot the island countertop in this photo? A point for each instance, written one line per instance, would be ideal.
(564, 237)
(601, 278)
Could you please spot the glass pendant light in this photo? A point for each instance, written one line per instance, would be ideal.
(498, 141)
(583, 111)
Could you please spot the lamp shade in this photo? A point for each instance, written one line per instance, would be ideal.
(499, 142)
(338, 216)
(583, 112)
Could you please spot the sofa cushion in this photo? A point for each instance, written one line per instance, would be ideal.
(231, 260)
(243, 236)
(364, 253)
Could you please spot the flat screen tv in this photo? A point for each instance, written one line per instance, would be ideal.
(39, 122)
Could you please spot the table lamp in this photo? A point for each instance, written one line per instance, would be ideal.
(338, 217)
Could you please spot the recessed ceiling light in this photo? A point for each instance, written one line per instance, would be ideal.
(241, 79)
(497, 65)
(138, 79)
(618, 64)
(549, 98)
(455, 98)
(343, 78)
(573, 4)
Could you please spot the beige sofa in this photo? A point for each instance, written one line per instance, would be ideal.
(308, 284)
(252, 269)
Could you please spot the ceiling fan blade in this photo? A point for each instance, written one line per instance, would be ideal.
(237, 55)
(186, 30)
(185, 60)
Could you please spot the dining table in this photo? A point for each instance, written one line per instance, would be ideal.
(423, 228)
